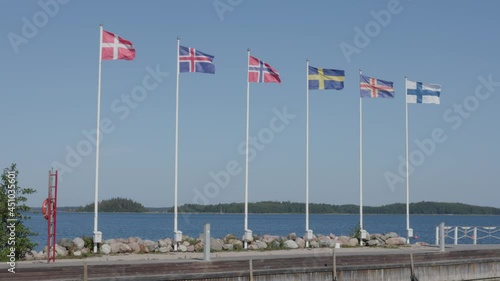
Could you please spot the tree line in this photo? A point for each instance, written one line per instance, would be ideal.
(437, 208)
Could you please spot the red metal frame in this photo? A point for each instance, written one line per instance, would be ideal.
(52, 218)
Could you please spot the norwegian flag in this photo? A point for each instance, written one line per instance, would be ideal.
(261, 72)
(116, 48)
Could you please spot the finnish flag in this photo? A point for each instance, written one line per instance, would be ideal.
(418, 92)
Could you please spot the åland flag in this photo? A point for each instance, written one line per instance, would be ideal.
(192, 60)
(375, 88)
(325, 79)
(418, 92)
(261, 72)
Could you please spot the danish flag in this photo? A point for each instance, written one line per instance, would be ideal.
(116, 48)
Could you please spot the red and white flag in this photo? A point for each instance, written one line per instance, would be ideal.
(116, 48)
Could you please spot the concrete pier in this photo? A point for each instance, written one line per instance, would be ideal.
(352, 264)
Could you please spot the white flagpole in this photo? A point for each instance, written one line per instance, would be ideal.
(98, 140)
(361, 165)
(176, 176)
(246, 155)
(407, 173)
(307, 152)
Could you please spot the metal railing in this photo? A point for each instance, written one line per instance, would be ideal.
(472, 234)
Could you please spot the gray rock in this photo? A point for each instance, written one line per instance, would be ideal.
(136, 248)
(61, 251)
(151, 245)
(124, 248)
(292, 236)
(216, 244)
(314, 244)
(343, 240)
(253, 247)
(238, 245)
(132, 239)
(261, 244)
(324, 241)
(79, 243)
(300, 242)
(353, 242)
(332, 236)
(227, 247)
(122, 240)
(85, 251)
(229, 237)
(373, 242)
(199, 247)
(77, 253)
(275, 244)
(290, 244)
(166, 249)
(105, 249)
(182, 248)
(66, 243)
(190, 248)
(396, 241)
(162, 243)
(269, 238)
(390, 235)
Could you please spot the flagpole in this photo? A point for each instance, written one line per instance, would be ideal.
(96, 237)
(407, 173)
(361, 166)
(307, 153)
(176, 176)
(246, 158)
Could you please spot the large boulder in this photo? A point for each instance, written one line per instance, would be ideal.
(300, 242)
(353, 242)
(373, 242)
(313, 244)
(269, 238)
(261, 244)
(292, 236)
(390, 235)
(79, 243)
(395, 241)
(136, 248)
(324, 241)
(290, 244)
(227, 247)
(237, 245)
(199, 247)
(182, 248)
(105, 249)
(343, 240)
(166, 249)
(61, 251)
(216, 245)
(120, 247)
(150, 245)
(253, 247)
(67, 243)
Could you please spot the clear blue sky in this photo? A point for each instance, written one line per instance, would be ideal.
(49, 96)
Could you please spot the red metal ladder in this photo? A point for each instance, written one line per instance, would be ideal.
(52, 217)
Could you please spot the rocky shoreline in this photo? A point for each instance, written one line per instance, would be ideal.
(78, 247)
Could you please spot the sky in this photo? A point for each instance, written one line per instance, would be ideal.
(49, 70)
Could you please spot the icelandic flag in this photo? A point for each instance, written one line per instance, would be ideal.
(418, 92)
(261, 72)
(375, 88)
(192, 60)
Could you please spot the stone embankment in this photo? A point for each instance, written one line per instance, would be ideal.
(134, 245)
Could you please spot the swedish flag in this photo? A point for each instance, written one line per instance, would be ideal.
(324, 79)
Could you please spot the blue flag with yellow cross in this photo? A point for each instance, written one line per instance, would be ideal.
(325, 79)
